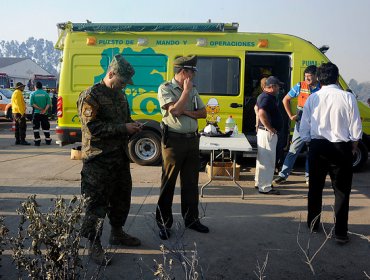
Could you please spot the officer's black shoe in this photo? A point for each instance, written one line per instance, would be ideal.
(47, 142)
(37, 143)
(197, 226)
(342, 239)
(164, 234)
(25, 143)
(17, 142)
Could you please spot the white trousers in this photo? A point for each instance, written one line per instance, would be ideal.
(266, 155)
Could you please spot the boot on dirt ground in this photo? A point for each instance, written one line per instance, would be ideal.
(119, 237)
(97, 253)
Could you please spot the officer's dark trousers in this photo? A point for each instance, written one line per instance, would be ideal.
(180, 156)
(106, 184)
(336, 159)
(41, 119)
(20, 127)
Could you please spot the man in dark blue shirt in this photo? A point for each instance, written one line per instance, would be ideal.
(269, 123)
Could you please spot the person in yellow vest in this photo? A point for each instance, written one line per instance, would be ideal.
(19, 114)
(302, 91)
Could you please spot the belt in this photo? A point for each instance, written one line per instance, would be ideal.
(262, 127)
(182, 135)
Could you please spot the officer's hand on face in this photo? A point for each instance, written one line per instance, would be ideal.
(133, 128)
(188, 85)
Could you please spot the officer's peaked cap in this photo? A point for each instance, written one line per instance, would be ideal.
(186, 62)
(123, 68)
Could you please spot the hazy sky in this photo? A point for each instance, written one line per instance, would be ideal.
(343, 25)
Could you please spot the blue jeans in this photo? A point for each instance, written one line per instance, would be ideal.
(294, 149)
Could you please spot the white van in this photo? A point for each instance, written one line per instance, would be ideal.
(6, 105)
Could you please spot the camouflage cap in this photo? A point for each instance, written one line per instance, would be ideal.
(123, 68)
(187, 62)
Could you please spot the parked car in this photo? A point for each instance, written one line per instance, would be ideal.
(29, 108)
(6, 104)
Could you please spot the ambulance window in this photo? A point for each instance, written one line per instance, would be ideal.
(217, 75)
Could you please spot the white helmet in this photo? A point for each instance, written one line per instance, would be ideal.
(212, 102)
(211, 129)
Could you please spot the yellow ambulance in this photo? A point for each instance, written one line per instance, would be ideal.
(230, 67)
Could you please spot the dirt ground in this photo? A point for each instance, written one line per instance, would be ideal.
(242, 232)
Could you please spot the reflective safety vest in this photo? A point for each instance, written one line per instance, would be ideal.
(304, 93)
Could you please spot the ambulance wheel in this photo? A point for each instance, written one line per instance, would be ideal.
(360, 157)
(145, 148)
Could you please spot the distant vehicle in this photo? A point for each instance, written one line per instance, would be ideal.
(4, 80)
(49, 82)
(6, 105)
(29, 108)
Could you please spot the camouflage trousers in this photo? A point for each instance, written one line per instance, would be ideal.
(20, 127)
(106, 184)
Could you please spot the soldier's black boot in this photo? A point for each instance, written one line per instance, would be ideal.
(97, 253)
(119, 237)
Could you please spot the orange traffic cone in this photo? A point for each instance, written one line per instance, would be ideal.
(13, 126)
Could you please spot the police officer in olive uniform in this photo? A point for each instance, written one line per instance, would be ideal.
(181, 106)
(105, 177)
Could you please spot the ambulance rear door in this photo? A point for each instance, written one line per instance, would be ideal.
(257, 66)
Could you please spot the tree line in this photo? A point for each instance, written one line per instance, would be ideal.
(39, 50)
(362, 90)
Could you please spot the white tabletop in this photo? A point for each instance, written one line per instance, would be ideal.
(237, 143)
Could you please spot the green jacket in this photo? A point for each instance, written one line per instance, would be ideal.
(41, 98)
(103, 113)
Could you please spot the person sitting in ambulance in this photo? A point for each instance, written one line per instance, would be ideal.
(264, 74)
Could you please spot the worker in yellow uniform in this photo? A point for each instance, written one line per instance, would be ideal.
(19, 114)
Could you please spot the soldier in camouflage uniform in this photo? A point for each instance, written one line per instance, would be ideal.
(105, 177)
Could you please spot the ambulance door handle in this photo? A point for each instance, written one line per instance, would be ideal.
(236, 105)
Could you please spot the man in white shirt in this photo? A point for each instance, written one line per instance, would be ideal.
(331, 125)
